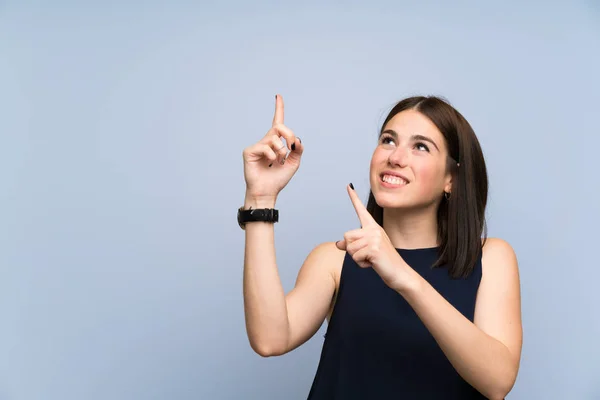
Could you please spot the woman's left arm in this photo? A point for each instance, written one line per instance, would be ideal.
(486, 352)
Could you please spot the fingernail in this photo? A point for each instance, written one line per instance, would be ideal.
(300, 140)
(293, 146)
(270, 165)
(351, 186)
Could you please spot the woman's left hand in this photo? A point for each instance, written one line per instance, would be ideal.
(370, 246)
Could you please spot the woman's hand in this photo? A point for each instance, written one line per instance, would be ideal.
(370, 246)
(267, 170)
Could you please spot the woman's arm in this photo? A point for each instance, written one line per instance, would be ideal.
(277, 323)
(485, 353)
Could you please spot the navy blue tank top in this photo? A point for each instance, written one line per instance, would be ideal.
(376, 347)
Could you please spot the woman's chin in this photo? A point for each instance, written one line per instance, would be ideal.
(390, 201)
(386, 201)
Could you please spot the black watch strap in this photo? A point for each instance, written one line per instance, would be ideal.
(258, 214)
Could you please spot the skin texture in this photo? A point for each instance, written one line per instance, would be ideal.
(486, 352)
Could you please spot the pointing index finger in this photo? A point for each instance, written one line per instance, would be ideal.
(363, 214)
(278, 117)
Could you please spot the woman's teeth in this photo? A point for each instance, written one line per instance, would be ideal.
(394, 180)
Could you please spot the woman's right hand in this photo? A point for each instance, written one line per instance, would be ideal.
(266, 168)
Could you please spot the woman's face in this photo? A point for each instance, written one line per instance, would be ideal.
(408, 167)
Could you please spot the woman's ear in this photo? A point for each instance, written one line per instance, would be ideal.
(448, 188)
(449, 179)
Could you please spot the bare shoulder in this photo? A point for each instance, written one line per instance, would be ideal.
(500, 268)
(498, 256)
(325, 257)
(327, 249)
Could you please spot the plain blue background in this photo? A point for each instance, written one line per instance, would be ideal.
(122, 127)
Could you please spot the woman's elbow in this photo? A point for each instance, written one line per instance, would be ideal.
(266, 349)
(502, 389)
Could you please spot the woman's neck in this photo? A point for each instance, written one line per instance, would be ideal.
(411, 229)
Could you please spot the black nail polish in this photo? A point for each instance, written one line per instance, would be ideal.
(351, 186)
(293, 146)
(270, 165)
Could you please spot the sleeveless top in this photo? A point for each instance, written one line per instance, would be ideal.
(376, 347)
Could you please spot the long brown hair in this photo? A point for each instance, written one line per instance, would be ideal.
(461, 218)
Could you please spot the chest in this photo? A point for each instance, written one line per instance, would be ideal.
(368, 311)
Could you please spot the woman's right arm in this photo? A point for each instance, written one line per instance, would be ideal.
(276, 323)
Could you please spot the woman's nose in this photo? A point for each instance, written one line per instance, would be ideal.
(398, 157)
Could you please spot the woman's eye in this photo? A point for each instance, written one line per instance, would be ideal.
(422, 146)
(387, 140)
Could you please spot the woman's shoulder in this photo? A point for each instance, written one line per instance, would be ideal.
(494, 248)
(498, 257)
(327, 256)
(327, 253)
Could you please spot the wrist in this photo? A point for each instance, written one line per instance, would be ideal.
(259, 202)
(411, 283)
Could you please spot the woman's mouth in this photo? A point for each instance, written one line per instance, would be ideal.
(393, 180)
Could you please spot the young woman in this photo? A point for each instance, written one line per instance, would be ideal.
(420, 305)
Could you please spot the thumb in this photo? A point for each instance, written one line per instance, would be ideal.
(297, 151)
(341, 244)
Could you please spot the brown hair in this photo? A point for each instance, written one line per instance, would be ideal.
(461, 218)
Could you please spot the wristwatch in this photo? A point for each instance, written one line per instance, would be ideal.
(259, 214)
